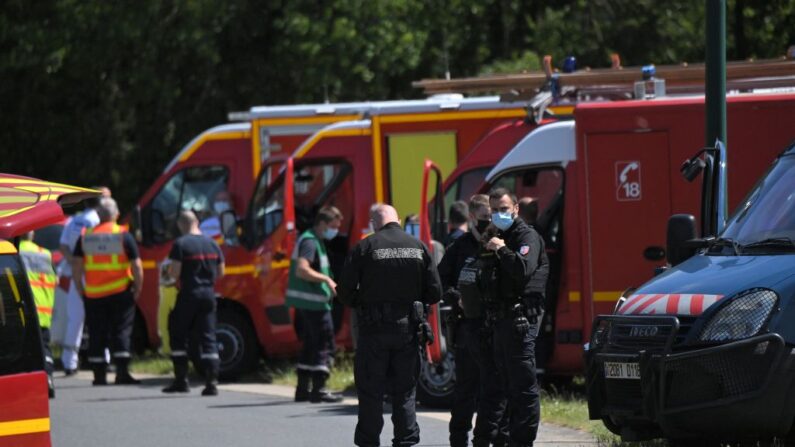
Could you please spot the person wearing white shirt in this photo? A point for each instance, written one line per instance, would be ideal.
(75, 312)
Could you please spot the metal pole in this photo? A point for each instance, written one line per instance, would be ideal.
(716, 73)
(715, 116)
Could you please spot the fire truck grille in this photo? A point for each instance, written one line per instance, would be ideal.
(634, 337)
(726, 373)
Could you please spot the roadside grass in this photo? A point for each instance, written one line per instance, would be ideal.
(152, 363)
(282, 372)
(570, 409)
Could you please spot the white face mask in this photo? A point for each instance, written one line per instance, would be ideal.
(220, 207)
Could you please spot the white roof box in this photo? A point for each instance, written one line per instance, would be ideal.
(550, 144)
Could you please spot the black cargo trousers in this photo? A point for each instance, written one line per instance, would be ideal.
(110, 322)
(195, 312)
(478, 387)
(514, 352)
(387, 363)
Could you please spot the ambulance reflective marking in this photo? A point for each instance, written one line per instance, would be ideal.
(24, 427)
(670, 304)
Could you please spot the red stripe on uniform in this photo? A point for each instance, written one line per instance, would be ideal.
(673, 304)
(697, 305)
(200, 257)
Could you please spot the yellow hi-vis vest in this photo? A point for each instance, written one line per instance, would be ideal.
(107, 268)
(42, 279)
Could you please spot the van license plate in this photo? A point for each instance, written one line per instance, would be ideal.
(616, 370)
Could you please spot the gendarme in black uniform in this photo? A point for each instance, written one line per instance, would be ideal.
(469, 270)
(384, 274)
(200, 257)
(522, 277)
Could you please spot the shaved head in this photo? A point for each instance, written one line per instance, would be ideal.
(382, 214)
(187, 221)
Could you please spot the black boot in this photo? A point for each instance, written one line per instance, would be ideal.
(100, 374)
(319, 392)
(302, 389)
(123, 376)
(180, 383)
(211, 385)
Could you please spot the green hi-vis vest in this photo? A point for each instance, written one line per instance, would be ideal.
(42, 279)
(304, 294)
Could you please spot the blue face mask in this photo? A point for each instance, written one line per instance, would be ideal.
(413, 229)
(503, 221)
(330, 233)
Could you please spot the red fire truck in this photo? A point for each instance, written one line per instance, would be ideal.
(350, 164)
(605, 189)
(603, 182)
(27, 204)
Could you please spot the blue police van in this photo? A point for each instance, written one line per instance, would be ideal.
(705, 351)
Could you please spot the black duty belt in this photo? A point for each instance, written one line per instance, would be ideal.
(384, 313)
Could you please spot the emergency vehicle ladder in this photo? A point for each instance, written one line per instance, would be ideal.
(549, 86)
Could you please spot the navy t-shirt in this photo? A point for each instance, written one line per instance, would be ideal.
(200, 257)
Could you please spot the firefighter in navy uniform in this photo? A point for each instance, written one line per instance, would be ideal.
(197, 263)
(386, 278)
(468, 275)
(522, 274)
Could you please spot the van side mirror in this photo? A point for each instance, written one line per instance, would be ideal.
(158, 226)
(135, 224)
(229, 226)
(681, 228)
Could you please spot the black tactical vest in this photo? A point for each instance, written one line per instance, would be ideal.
(477, 284)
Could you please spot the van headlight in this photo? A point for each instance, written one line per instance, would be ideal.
(741, 317)
(600, 334)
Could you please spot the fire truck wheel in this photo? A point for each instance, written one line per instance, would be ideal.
(436, 382)
(611, 425)
(237, 344)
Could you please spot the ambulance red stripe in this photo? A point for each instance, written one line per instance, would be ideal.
(672, 307)
(631, 302)
(697, 305)
(647, 303)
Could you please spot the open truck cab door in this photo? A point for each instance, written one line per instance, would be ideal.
(280, 210)
(24, 406)
(432, 228)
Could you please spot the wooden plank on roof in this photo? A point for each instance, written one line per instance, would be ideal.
(674, 75)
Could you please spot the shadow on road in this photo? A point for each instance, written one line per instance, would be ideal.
(257, 404)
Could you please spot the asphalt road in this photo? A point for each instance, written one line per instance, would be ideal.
(242, 415)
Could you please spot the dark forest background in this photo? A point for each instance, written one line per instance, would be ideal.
(106, 92)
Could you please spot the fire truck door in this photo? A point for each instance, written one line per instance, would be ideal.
(407, 153)
(431, 231)
(628, 205)
(24, 406)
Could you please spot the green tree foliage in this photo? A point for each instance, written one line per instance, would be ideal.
(100, 92)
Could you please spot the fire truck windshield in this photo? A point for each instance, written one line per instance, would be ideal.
(765, 220)
(315, 185)
(544, 185)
